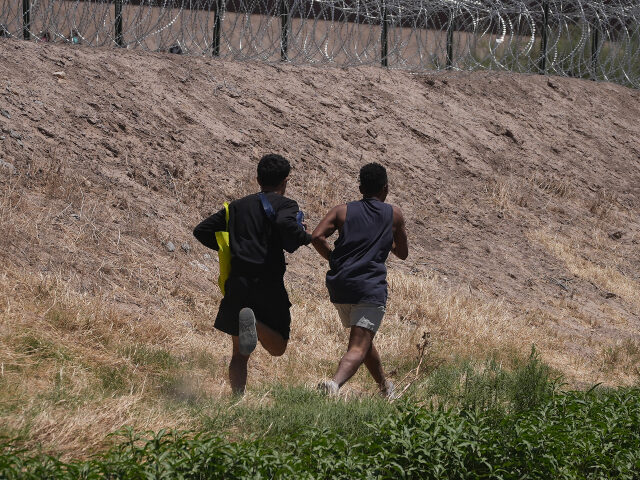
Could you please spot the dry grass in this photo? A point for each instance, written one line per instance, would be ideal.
(92, 368)
(605, 276)
(507, 194)
(612, 357)
(511, 194)
(100, 326)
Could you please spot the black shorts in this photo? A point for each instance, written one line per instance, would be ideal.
(267, 297)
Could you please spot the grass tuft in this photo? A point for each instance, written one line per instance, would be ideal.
(286, 410)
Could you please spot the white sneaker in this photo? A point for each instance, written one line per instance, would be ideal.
(329, 388)
(389, 391)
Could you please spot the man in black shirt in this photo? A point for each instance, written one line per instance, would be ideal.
(256, 304)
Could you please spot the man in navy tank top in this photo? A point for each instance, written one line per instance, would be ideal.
(357, 278)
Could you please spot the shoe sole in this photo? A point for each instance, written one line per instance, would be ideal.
(247, 335)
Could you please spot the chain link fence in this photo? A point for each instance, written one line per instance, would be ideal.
(595, 39)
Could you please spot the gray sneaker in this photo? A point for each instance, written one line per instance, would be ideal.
(328, 387)
(389, 391)
(247, 335)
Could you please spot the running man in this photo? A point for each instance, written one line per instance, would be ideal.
(256, 305)
(357, 278)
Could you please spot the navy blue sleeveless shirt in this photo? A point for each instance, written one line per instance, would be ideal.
(357, 271)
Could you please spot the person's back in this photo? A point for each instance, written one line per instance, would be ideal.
(357, 277)
(358, 273)
(257, 241)
(256, 305)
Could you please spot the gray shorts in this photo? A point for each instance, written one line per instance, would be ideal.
(365, 315)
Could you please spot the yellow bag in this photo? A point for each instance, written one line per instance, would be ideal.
(224, 252)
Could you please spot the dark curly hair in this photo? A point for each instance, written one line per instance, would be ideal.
(272, 169)
(373, 178)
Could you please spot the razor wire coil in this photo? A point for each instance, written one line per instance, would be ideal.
(596, 39)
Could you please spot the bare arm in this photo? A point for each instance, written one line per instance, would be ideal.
(329, 224)
(400, 244)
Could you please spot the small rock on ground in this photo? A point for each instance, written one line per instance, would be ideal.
(199, 265)
(8, 166)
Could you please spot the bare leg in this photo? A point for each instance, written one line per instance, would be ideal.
(360, 341)
(272, 341)
(238, 369)
(374, 365)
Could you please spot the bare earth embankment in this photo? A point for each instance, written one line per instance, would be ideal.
(522, 195)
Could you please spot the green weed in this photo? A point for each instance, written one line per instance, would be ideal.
(40, 348)
(489, 385)
(141, 355)
(572, 435)
(287, 410)
(114, 379)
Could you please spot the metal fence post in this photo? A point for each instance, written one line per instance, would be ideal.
(595, 46)
(450, 29)
(384, 38)
(545, 25)
(284, 30)
(118, 22)
(26, 19)
(217, 27)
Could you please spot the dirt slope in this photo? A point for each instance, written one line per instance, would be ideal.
(524, 189)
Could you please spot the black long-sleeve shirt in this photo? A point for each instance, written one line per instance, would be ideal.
(257, 243)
